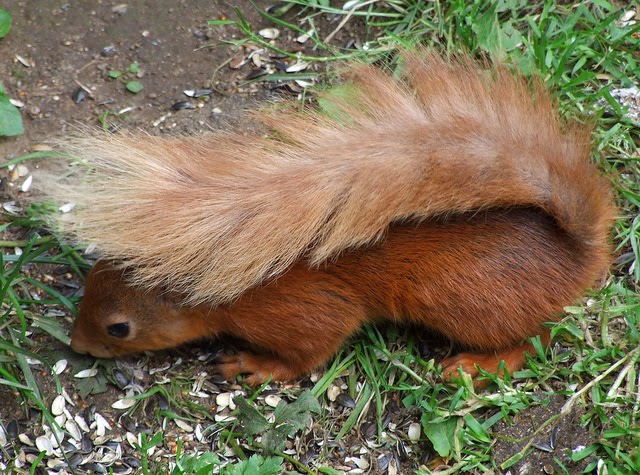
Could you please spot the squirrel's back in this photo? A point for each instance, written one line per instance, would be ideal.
(224, 212)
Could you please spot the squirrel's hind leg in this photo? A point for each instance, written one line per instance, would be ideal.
(513, 357)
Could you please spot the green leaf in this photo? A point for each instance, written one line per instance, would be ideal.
(256, 465)
(297, 413)
(510, 37)
(441, 434)
(134, 68)
(200, 464)
(487, 29)
(115, 74)
(134, 86)
(5, 22)
(10, 118)
(95, 385)
(275, 439)
(251, 420)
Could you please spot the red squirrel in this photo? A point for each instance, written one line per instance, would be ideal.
(453, 197)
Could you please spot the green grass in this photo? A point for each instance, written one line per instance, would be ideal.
(583, 51)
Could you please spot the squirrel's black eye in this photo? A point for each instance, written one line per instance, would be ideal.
(119, 330)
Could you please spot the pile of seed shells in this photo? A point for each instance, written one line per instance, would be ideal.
(83, 439)
(255, 63)
(255, 67)
(19, 178)
(630, 99)
(264, 62)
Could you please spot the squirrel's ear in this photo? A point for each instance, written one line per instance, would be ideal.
(118, 330)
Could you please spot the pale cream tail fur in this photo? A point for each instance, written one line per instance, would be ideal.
(214, 215)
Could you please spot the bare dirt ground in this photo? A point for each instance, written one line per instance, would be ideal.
(58, 53)
(66, 46)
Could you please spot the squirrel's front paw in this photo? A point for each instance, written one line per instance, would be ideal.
(258, 368)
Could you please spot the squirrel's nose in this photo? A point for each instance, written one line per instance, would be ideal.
(78, 347)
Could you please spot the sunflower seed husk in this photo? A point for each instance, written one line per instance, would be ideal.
(296, 67)
(44, 445)
(345, 400)
(124, 403)
(272, 400)
(269, 33)
(57, 406)
(183, 425)
(86, 373)
(59, 366)
(414, 432)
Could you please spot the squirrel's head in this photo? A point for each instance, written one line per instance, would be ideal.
(116, 317)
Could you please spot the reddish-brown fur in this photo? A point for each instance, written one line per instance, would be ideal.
(487, 280)
(214, 215)
(454, 197)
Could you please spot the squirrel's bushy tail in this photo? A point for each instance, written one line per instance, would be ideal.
(216, 214)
